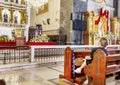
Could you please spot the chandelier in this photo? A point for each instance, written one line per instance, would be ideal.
(36, 4)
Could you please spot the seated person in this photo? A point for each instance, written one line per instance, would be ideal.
(102, 44)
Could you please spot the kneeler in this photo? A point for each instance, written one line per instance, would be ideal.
(97, 69)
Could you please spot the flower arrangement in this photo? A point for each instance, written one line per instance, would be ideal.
(111, 37)
(3, 38)
(42, 38)
(94, 35)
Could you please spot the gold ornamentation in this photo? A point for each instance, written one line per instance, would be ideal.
(22, 2)
(115, 26)
(19, 33)
(24, 17)
(11, 15)
(12, 0)
(21, 15)
(0, 14)
(44, 10)
(94, 29)
(89, 17)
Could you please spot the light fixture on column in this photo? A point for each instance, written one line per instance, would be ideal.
(36, 4)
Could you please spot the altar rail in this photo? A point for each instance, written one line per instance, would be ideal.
(14, 54)
(42, 54)
(45, 54)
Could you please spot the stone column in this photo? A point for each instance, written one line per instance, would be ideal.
(66, 8)
(118, 8)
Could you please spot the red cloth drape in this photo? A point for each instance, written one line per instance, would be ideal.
(103, 14)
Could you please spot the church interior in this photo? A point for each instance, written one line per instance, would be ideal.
(43, 42)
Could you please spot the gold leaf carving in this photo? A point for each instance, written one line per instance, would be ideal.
(41, 11)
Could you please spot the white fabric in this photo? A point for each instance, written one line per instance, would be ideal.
(78, 70)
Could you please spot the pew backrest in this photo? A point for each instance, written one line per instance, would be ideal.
(99, 67)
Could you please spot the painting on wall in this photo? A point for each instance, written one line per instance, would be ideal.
(43, 10)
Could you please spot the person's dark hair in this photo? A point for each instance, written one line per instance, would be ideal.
(103, 42)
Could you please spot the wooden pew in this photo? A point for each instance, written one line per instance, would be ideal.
(2, 82)
(68, 55)
(101, 66)
(97, 69)
(113, 66)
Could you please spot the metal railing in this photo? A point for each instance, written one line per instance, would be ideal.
(14, 54)
(41, 54)
(45, 54)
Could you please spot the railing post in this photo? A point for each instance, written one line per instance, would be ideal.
(32, 54)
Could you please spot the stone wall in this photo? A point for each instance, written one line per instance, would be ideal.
(119, 9)
(50, 20)
(65, 18)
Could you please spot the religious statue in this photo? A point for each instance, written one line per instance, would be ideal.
(5, 17)
(16, 1)
(102, 22)
(16, 19)
(39, 29)
(100, 29)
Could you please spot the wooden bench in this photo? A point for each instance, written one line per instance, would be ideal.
(99, 63)
(68, 55)
(101, 66)
(2, 82)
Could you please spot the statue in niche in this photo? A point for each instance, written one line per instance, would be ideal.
(100, 29)
(5, 17)
(16, 1)
(38, 30)
(15, 19)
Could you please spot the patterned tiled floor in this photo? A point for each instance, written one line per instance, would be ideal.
(43, 75)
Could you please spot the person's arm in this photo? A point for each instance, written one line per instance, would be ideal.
(78, 70)
(87, 58)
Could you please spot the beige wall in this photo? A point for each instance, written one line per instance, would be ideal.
(59, 14)
(53, 14)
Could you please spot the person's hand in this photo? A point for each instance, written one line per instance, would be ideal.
(87, 57)
(78, 70)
